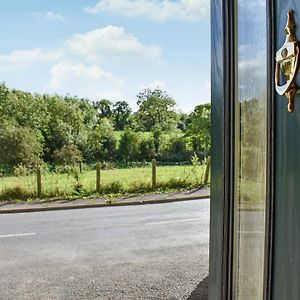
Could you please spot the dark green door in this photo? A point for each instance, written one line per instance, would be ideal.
(251, 234)
(286, 242)
(250, 151)
(255, 200)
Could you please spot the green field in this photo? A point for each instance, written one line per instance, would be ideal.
(115, 181)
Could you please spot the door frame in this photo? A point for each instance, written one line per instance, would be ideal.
(222, 183)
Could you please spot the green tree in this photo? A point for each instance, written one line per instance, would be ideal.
(129, 145)
(101, 142)
(19, 146)
(146, 149)
(183, 119)
(156, 113)
(6, 111)
(199, 128)
(121, 114)
(66, 122)
(24, 109)
(104, 108)
(156, 109)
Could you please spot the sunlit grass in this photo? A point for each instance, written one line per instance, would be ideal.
(131, 180)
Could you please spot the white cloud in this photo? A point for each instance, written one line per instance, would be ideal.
(16, 60)
(95, 46)
(85, 81)
(154, 85)
(110, 42)
(155, 10)
(49, 16)
(252, 74)
(254, 65)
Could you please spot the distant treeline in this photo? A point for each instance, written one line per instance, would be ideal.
(62, 130)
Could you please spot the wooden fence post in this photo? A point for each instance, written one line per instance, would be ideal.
(154, 165)
(207, 170)
(39, 181)
(98, 184)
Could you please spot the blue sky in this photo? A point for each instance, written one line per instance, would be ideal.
(107, 49)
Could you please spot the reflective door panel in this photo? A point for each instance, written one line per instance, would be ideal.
(250, 150)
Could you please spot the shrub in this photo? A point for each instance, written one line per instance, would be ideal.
(101, 142)
(113, 188)
(16, 193)
(128, 149)
(19, 146)
(177, 183)
(67, 155)
(146, 149)
(175, 151)
(21, 170)
(140, 187)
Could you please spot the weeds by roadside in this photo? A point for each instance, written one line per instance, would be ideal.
(110, 190)
(116, 182)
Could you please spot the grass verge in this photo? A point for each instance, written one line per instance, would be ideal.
(114, 183)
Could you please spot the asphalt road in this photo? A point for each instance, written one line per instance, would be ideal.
(155, 251)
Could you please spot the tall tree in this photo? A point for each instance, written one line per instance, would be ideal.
(156, 109)
(199, 128)
(156, 113)
(101, 142)
(121, 113)
(104, 108)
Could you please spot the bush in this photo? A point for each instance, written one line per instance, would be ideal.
(19, 146)
(146, 149)
(113, 188)
(16, 193)
(177, 183)
(175, 151)
(128, 149)
(67, 155)
(21, 170)
(140, 187)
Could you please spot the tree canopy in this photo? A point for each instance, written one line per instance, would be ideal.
(156, 110)
(199, 128)
(55, 129)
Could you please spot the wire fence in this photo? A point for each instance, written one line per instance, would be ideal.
(79, 182)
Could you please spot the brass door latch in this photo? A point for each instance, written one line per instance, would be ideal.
(287, 64)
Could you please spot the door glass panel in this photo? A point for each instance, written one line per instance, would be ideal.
(250, 150)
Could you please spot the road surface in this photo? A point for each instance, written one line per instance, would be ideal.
(138, 252)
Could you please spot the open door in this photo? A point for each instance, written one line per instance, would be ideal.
(255, 202)
(286, 242)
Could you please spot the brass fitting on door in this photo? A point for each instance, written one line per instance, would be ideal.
(287, 63)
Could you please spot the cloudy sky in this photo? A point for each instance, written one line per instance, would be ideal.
(107, 49)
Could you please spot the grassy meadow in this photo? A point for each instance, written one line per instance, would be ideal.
(113, 182)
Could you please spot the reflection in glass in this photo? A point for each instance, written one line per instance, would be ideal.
(250, 151)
